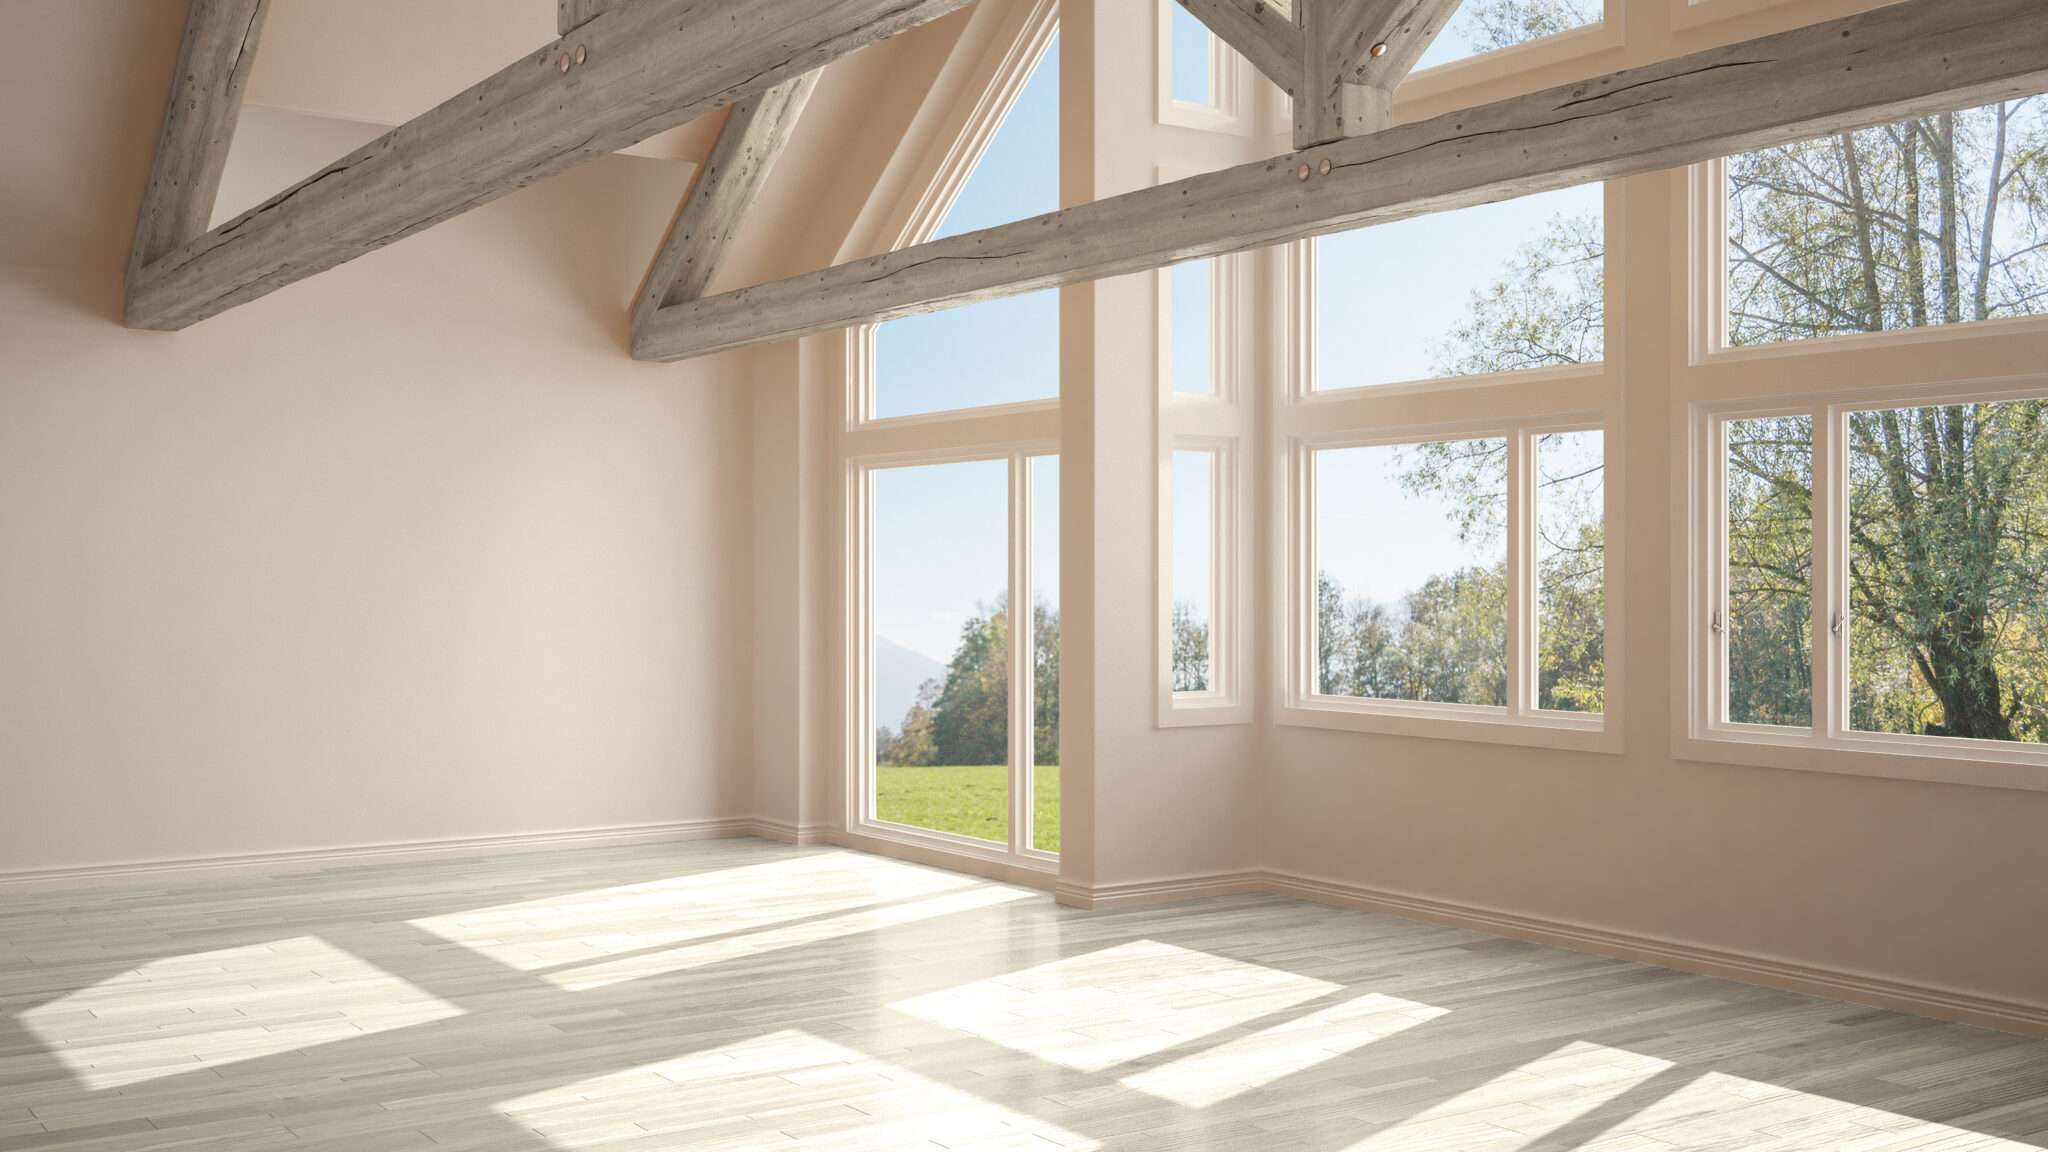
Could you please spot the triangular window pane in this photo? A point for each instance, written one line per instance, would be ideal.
(1002, 351)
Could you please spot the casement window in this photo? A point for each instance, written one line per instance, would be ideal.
(952, 478)
(958, 600)
(1513, 286)
(912, 366)
(1203, 84)
(1875, 580)
(1920, 225)
(1443, 491)
(1204, 424)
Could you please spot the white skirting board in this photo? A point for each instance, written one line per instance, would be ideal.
(197, 866)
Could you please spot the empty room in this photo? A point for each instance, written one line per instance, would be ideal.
(896, 575)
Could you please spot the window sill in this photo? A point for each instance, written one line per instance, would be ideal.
(2021, 770)
(1193, 711)
(1457, 722)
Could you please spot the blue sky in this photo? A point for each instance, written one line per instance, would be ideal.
(1193, 491)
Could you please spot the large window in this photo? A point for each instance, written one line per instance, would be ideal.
(1510, 286)
(1917, 532)
(1482, 26)
(920, 363)
(963, 559)
(1935, 221)
(1460, 578)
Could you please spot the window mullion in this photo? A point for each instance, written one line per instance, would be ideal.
(1020, 655)
(1830, 611)
(1521, 579)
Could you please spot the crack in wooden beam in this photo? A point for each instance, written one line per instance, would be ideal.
(1912, 58)
(724, 187)
(637, 69)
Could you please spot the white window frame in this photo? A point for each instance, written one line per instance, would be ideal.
(1520, 405)
(1231, 77)
(1519, 721)
(1574, 51)
(1830, 745)
(1708, 192)
(1218, 421)
(1018, 849)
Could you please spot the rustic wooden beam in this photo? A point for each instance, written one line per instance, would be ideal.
(1259, 34)
(1912, 58)
(573, 14)
(721, 191)
(636, 70)
(199, 125)
(1354, 53)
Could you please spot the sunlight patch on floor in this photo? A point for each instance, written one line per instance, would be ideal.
(183, 1014)
(582, 927)
(788, 1089)
(1717, 1103)
(1101, 1009)
(686, 957)
(1286, 1049)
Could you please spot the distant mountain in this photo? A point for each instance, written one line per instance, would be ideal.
(899, 673)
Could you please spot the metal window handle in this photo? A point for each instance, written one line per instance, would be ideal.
(1714, 623)
(1835, 625)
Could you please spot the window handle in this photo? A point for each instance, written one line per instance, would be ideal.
(1835, 624)
(1714, 623)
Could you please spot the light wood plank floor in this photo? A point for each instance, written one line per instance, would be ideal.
(740, 995)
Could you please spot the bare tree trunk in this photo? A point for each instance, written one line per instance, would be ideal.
(1951, 239)
(1866, 248)
(1916, 267)
(1995, 184)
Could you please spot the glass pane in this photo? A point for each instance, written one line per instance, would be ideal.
(1194, 553)
(1194, 80)
(941, 643)
(1942, 220)
(1411, 572)
(1948, 571)
(1192, 287)
(1000, 351)
(1520, 284)
(1770, 571)
(1045, 629)
(1481, 26)
(1571, 571)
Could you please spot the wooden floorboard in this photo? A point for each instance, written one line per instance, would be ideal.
(742, 995)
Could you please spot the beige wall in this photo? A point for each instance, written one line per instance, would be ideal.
(411, 550)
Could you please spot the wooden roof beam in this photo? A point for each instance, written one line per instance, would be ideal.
(1911, 58)
(630, 72)
(1355, 53)
(200, 114)
(1271, 41)
(755, 133)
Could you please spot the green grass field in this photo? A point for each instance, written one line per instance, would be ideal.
(968, 800)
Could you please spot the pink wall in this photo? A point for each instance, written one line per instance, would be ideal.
(408, 551)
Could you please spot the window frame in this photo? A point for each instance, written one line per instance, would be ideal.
(1830, 745)
(1519, 721)
(1022, 712)
(1231, 76)
(1707, 190)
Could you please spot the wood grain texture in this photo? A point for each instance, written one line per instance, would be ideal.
(646, 67)
(738, 995)
(200, 113)
(1910, 58)
(1346, 90)
(724, 186)
(1267, 38)
(573, 14)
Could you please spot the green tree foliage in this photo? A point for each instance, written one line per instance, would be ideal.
(1769, 620)
(964, 716)
(1190, 649)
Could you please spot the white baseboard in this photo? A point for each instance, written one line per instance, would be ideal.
(785, 832)
(2022, 1017)
(189, 867)
(1142, 892)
